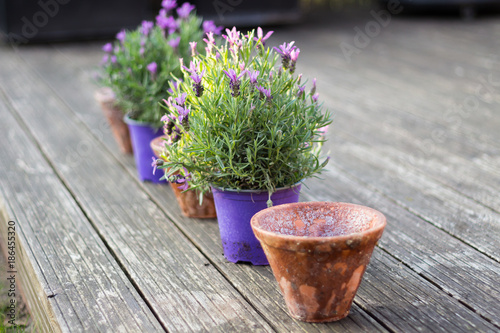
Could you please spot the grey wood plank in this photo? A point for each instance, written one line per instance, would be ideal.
(184, 293)
(452, 266)
(262, 292)
(459, 216)
(70, 278)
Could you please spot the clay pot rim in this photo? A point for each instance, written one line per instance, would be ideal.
(153, 145)
(318, 239)
(224, 189)
(105, 94)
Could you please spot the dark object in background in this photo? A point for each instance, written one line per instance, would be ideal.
(25, 21)
(468, 9)
(249, 13)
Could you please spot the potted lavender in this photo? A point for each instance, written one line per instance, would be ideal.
(244, 125)
(139, 65)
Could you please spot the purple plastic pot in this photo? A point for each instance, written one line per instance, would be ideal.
(234, 212)
(141, 135)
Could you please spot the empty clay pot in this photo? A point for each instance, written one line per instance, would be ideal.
(318, 252)
(114, 114)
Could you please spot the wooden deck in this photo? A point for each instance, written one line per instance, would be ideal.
(416, 135)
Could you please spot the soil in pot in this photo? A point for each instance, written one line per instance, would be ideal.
(318, 252)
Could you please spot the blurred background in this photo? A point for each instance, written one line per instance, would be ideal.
(24, 21)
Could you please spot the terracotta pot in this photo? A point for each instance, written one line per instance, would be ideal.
(106, 99)
(158, 144)
(188, 201)
(318, 252)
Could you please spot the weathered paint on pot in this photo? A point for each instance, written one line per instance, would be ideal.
(318, 252)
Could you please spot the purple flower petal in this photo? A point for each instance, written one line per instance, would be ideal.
(169, 4)
(185, 10)
(152, 67)
(174, 42)
(121, 36)
(108, 48)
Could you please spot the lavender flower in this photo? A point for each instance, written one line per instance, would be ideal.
(234, 82)
(105, 59)
(156, 163)
(300, 92)
(265, 93)
(193, 48)
(293, 57)
(209, 26)
(121, 36)
(313, 89)
(285, 51)
(174, 42)
(197, 86)
(141, 51)
(181, 100)
(167, 23)
(253, 77)
(152, 67)
(184, 10)
(146, 28)
(192, 68)
(260, 36)
(169, 121)
(113, 59)
(180, 179)
(315, 97)
(210, 42)
(108, 48)
(233, 37)
(183, 116)
(169, 4)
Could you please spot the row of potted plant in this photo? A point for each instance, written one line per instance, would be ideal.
(235, 128)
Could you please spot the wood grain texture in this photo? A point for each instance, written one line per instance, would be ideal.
(185, 294)
(262, 291)
(71, 281)
(404, 141)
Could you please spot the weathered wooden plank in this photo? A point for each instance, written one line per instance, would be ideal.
(462, 217)
(261, 291)
(184, 293)
(454, 267)
(72, 282)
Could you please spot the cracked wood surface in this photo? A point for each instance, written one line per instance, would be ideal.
(400, 143)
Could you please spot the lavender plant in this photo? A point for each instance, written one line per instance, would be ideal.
(242, 119)
(140, 63)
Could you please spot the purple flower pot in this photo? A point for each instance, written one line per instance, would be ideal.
(141, 135)
(234, 212)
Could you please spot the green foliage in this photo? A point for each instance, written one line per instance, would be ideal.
(137, 90)
(245, 141)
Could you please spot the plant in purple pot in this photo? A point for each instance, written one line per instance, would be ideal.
(245, 126)
(139, 65)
